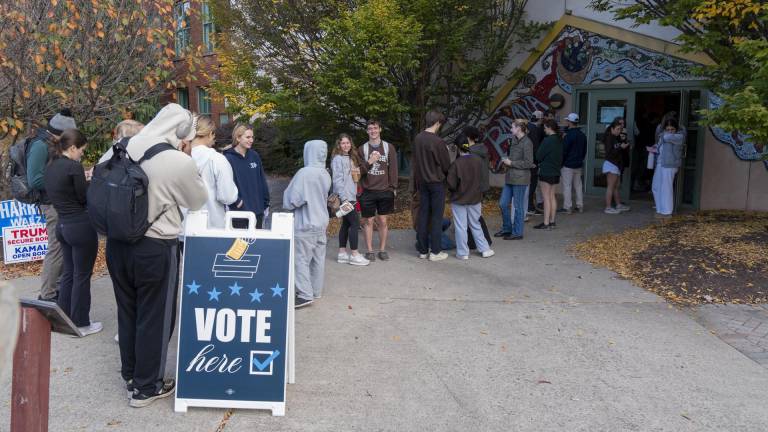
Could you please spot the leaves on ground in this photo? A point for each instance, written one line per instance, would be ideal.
(716, 256)
(34, 268)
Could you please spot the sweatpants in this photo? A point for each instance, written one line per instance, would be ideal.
(664, 189)
(79, 245)
(468, 216)
(52, 264)
(571, 178)
(431, 207)
(144, 277)
(471, 238)
(309, 262)
(350, 225)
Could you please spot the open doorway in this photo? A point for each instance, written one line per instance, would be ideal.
(649, 109)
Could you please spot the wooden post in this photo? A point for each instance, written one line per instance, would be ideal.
(31, 374)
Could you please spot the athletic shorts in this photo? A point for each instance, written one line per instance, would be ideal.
(553, 180)
(610, 167)
(374, 203)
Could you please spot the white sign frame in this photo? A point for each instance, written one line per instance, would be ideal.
(7, 247)
(196, 225)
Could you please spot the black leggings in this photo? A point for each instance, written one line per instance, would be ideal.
(350, 225)
(79, 245)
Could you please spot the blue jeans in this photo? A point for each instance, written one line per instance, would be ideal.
(508, 194)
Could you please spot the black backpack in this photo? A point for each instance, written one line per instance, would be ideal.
(20, 189)
(118, 201)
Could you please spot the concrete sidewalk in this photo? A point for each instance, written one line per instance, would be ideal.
(529, 340)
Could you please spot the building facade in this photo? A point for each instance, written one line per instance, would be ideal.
(601, 69)
(194, 34)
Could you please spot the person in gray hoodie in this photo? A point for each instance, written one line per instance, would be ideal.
(307, 196)
(215, 171)
(345, 173)
(669, 157)
(144, 274)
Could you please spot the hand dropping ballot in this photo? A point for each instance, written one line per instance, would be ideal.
(235, 326)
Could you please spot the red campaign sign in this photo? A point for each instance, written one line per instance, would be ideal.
(22, 244)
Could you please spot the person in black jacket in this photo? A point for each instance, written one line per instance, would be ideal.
(613, 166)
(66, 187)
(574, 152)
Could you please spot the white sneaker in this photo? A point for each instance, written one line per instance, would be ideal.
(423, 256)
(342, 258)
(438, 257)
(487, 254)
(622, 208)
(462, 257)
(95, 327)
(357, 260)
(611, 210)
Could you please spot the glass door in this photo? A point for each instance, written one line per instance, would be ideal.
(604, 107)
(687, 181)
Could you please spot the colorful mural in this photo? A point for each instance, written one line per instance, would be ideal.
(577, 56)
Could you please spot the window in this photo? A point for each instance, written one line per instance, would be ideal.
(208, 28)
(223, 119)
(203, 101)
(181, 27)
(182, 97)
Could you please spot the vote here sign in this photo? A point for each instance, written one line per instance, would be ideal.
(233, 323)
(22, 244)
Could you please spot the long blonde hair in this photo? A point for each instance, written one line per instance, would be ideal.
(126, 129)
(205, 126)
(238, 131)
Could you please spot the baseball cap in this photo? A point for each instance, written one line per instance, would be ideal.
(573, 118)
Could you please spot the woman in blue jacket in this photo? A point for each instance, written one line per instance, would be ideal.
(251, 181)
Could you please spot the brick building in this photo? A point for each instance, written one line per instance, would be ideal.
(193, 27)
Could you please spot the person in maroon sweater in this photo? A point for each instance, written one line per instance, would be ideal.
(430, 165)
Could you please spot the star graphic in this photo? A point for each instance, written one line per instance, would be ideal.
(255, 296)
(193, 287)
(214, 294)
(277, 291)
(235, 289)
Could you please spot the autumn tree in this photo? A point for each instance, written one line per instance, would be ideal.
(735, 35)
(334, 63)
(104, 59)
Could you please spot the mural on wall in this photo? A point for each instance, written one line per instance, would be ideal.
(577, 56)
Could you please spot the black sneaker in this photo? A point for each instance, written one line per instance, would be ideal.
(552, 225)
(370, 256)
(541, 226)
(383, 255)
(501, 234)
(300, 302)
(513, 237)
(140, 400)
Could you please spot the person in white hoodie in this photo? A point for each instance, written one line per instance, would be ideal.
(215, 171)
(144, 274)
(307, 197)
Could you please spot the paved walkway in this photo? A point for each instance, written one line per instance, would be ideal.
(744, 327)
(530, 340)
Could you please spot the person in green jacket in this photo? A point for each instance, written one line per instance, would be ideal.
(550, 158)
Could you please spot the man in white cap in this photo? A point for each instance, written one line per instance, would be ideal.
(144, 274)
(37, 160)
(574, 151)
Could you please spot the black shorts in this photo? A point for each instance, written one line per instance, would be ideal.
(377, 202)
(553, 180)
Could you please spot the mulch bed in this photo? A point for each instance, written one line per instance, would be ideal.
(708, 257)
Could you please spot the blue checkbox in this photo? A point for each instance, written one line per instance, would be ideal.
(263, 365)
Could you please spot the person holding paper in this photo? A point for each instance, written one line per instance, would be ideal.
(345, 168)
